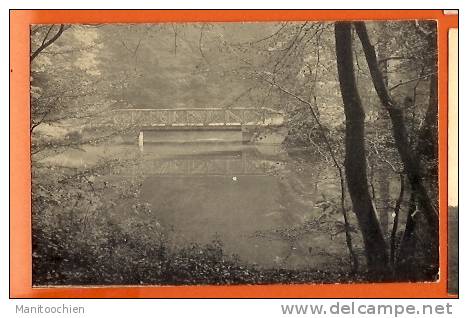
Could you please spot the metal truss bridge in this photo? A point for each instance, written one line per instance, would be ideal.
(193, 117)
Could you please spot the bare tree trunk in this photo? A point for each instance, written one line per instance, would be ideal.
(355, 158)
(410, 162)
(396, 212)
(426, 145)
(407, 243)
(427, 139)
(384, 191)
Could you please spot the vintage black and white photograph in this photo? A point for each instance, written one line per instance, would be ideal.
(234, 153)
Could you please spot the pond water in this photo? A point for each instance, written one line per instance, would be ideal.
(268, 206)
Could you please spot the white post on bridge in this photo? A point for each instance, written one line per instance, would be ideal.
(140, 141)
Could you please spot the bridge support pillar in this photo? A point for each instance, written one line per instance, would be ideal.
(140, 141)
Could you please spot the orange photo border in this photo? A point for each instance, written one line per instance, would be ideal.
(20, 166)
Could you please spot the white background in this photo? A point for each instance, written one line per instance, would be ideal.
(208, 308)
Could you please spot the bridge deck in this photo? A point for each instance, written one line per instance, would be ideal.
(193, 128)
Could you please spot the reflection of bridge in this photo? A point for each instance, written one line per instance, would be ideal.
(203, 166)
(194, 117)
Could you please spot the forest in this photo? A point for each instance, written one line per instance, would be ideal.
(356, 170)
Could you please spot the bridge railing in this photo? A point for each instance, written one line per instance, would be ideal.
(197, 117)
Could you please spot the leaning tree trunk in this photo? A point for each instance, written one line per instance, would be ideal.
(400, 134)
(427, 137)
(355, 158)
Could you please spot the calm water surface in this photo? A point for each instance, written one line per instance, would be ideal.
(261, 202)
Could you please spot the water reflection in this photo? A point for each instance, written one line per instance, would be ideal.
(266, 206)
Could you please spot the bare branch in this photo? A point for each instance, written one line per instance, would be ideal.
(44, 115)
(268, 37)
(200, 44)
(47, 34)
(45, 44)
(36, 29)
(395, 58)
(89, 47)
(411, 80)
(290, 46)
(174, 28)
